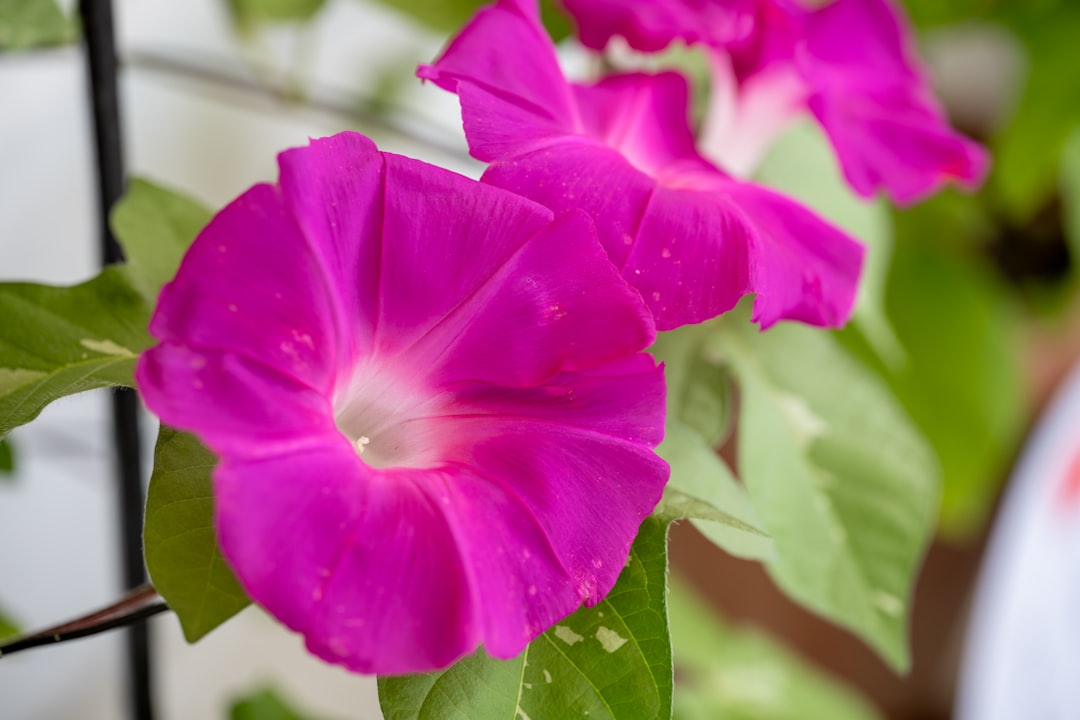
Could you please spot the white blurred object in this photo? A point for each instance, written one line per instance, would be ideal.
(1022, 657)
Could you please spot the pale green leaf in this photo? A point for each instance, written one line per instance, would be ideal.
(962, 382)
(703, 489)
(29, 23)
(265, 704)
(842, 481)
(155, 226)
(608, 662)
(57, 341)
(727, 673)
(181, 549)
(698, 392)
(802, 164)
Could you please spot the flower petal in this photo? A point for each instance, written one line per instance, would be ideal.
(230, 292)
(362, 562)
(533, 84)
(425, 274)
(806, 269)
(652, 26)
(575, 321)
(237, 405)
(877, 108)
(333, 189)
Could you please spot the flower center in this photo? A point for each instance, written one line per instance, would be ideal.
(391, 417)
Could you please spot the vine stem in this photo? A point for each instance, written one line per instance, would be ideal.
(137, 605)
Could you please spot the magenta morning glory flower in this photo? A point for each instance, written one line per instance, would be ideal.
(849, 62)
(434, 424)
(690, 238)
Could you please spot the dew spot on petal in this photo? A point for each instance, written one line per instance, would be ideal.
(233, 308)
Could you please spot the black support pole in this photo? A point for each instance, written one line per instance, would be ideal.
(97, 23)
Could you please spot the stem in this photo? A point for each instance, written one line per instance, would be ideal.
(141, 603)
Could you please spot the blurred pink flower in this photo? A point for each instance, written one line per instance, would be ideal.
(434, 423)
(850, 62)
(690, 238)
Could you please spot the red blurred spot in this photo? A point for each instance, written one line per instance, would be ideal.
(1069, 490)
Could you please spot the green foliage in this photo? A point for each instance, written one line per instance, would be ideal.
(156, 226)
(7, 458)
(1027, 154)
(733, 674)
(248, 12)
(449, 16)
(802, 164)
(57, 341)
(702, 488)
(8, 628)
(611, 661)
(182, 555)
(30, 23)
(1070, 195)
(842, 481)
(961, 382)
(264, 705)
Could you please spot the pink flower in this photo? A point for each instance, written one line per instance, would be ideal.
(850, 62)
(434, 423)
(690, 238)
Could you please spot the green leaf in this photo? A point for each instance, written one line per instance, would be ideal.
(703, 489)
(738, 674)
(1070, 195)
(957, 327)
(182, 555)
(698, 392)
(803, 165)
(842, 481)
(30, 23)
(246, 12)
(57, 341)
(608, 662)
(7, 458)
(264, 705)
(8, 628)
(449, 16)
(1027, 153)
(156, 227)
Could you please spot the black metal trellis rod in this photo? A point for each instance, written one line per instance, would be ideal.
(97, 23)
